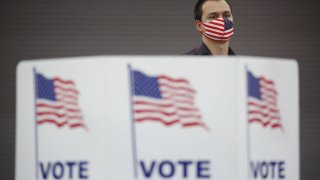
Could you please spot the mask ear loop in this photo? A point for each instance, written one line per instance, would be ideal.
(201, 27)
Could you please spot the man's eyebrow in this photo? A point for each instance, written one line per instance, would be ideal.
(213, 13)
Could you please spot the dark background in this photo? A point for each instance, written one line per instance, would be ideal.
(60, 28)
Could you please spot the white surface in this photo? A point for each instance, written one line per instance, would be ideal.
(103, 83)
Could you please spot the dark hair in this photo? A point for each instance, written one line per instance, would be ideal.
(198, 8)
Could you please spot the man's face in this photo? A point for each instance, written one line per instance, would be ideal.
(215, 9)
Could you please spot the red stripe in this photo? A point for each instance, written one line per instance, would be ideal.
(78, 125)
(55, 114)
(265, 124)
(192, 124)
(217, 37)
(156, 111)
(268, 89)
(140, 102)
(52, 121)
(49, 106)
(57, 107)
(187, 109)
(60, 125)
(258, 120)
(158, 120)
(274, 126)
(73, 110)
(223, 34)
(68, 96)
(270, 102)
(267, 102)
(173, 80)
(266, 80)
(168, 114)
(268, 92)
(216, 24)
(173, 94)
(189, 102)
(67, 100)
(63, 81)
(269, 120)
(186, 125)
(67, 89)
(264, 107)
(64, 101)
(251, 103)
(178, 88)
(184, 102)
(264, 114)
(269, 97)
(213, 27)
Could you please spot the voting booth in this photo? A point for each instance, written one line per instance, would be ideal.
(157, 117)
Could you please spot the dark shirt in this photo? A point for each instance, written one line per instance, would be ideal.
(203, 50)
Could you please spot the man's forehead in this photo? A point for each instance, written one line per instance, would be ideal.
(215, 6)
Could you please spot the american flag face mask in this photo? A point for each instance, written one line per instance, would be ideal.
(219, 29)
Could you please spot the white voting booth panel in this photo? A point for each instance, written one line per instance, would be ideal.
(157, 117)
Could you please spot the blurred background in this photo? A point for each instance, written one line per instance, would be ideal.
(46, 29)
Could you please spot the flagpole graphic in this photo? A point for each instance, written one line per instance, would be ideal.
(36, 124)
(248, 126)
(133, 130)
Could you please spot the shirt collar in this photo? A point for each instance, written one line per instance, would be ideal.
(204, 50)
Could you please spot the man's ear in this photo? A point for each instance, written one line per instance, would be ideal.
(198, 26)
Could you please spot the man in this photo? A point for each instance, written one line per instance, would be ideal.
(214, 21)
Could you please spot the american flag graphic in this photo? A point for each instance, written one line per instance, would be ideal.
(57, 103)
(165, 100)
(220, 28)
(262, 102)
